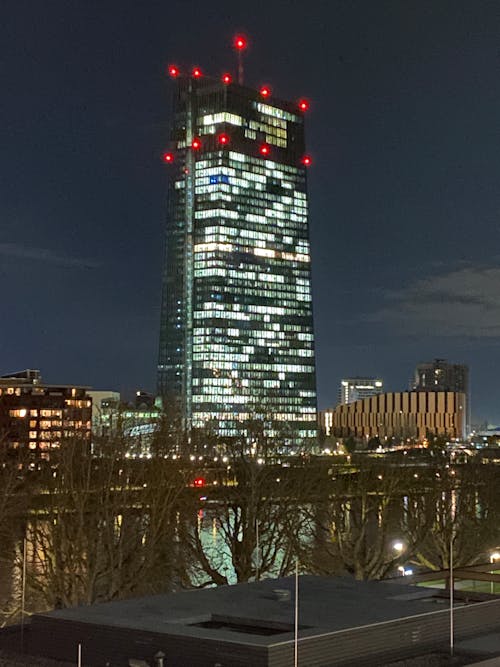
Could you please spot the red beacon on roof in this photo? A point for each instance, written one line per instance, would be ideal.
(168, 158)
(196, 144)
(223, 139)
(227, 78)
(265, 150)
(303, 105)
(196, 73)
(265, 91)
(240, 42)
(306, 160)
(173, 70)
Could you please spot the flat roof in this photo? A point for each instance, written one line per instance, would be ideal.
(23, 382)
(326, 604)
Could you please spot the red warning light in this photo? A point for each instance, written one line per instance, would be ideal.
(227, 78)
(265, 91)
(306, 160)
(303, 105)
(223, 139)
(173, 70)
(240, 42)
(265, 149)
(196, 73)
(168, 158)
(196, 144)
(199, 482)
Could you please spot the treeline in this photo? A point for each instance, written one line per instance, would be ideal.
(88, 528)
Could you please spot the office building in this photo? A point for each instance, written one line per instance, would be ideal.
(400, 415)
(39, 417)
(105, 405)
(133, 426)
(439, 375)
(356, 388)
(236, 339)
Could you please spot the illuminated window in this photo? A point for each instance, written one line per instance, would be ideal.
(21, 412)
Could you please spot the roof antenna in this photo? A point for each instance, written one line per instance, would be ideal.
(240, 45)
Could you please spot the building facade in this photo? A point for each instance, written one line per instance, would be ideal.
(115, 423)
(400, 415)
(439, 375)
(37, 417)
(236, 338)
(356, 388)
(105, 405)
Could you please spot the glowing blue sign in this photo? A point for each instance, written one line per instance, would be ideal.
(219, 178)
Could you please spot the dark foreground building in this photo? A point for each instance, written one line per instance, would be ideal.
(236, 339)
(341, 622)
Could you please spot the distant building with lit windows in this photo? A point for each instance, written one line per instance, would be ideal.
(39, 417)
(356, 388)
(105, 407)
(440, 375)
(113, 421)
(236, 336)
(400, 415)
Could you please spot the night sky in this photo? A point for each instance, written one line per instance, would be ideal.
(404, 129)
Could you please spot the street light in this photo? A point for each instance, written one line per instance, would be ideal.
(398, 547)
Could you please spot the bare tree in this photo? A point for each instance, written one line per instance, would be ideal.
(256, 514)
(109, 527)
(462, 508)
(359, 517)
(16, 495)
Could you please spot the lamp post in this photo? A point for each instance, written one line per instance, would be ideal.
(296, 641)
(494, 558)
(452, 583)
(23, 594)
(453, 507)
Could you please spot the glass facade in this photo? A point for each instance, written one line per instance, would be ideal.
(236, 341)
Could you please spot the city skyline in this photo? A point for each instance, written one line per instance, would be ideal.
(404, 201)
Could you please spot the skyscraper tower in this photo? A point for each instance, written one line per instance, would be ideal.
(236, 338)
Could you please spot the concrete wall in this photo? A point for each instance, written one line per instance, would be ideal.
(390, 640)
(114, 646)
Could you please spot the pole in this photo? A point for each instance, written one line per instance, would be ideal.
(240, 67)
(23, 595)
(79, 655)
(452, 584)
(257, 548)
(296, 643)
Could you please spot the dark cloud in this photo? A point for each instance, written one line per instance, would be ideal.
(20, 251)
(461, 303)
